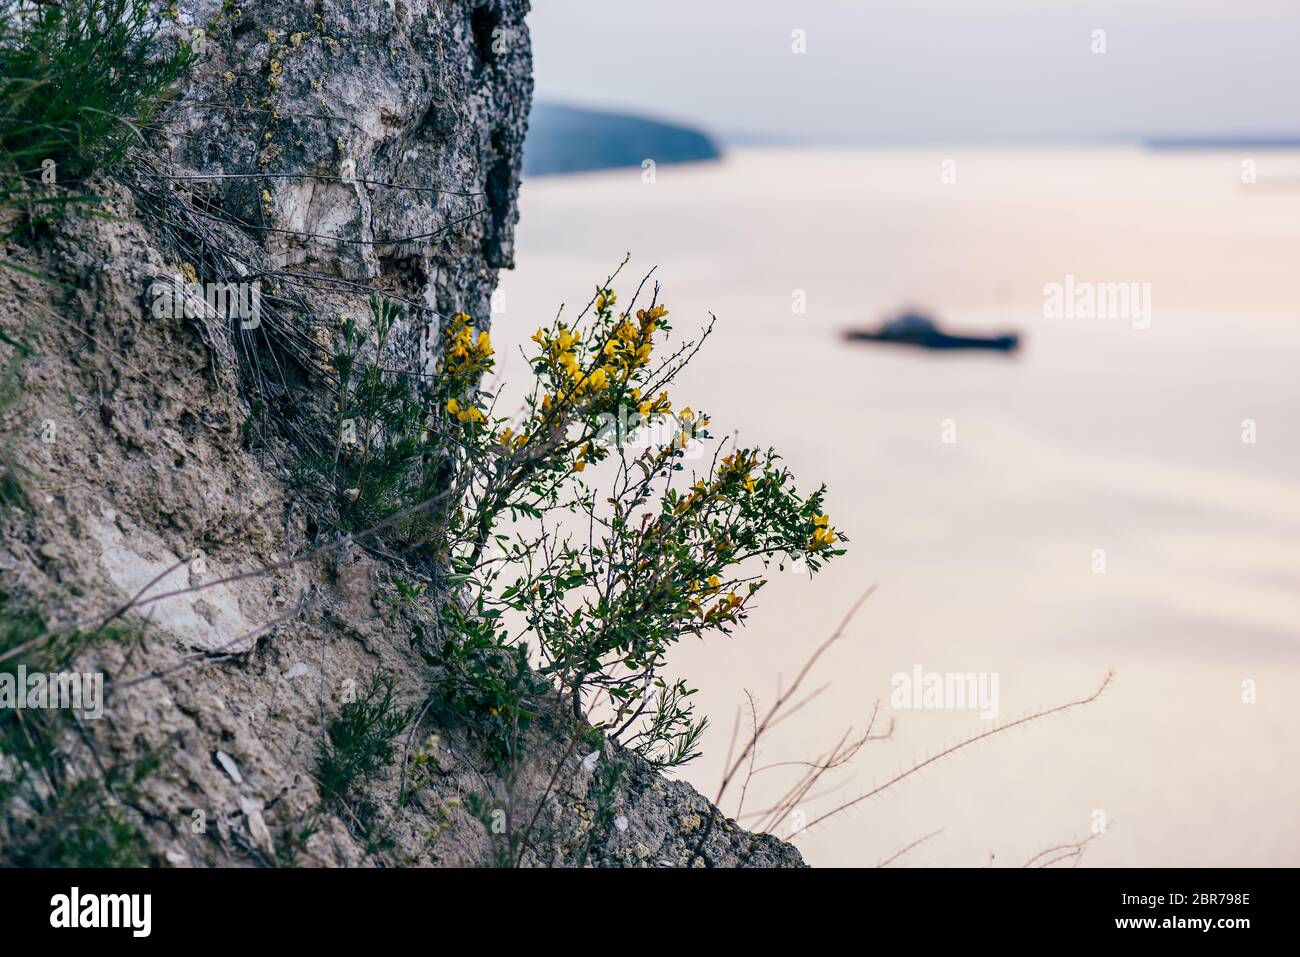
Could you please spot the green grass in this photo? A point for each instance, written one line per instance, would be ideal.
(12, 492)
(78, 83)
(359, 742)
(51, 813)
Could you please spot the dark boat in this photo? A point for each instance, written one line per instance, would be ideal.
(915, 329)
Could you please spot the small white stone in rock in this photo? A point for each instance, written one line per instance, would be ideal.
(620, 822)
(589, 762)
(261, 834)
(227, 762)
(176, 857)
(297, 671)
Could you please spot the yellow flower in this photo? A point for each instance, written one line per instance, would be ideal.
(821, 520)
(823, 537)
(579, 465)
(464, 413)
(651, 407)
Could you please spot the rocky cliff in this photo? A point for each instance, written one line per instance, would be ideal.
(323, 151)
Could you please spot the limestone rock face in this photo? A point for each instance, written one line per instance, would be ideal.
(377, 141)
(325, 148)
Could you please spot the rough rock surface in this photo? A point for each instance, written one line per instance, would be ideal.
(132, 430)
(423, 103)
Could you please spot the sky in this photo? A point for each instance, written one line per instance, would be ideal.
(930, 70)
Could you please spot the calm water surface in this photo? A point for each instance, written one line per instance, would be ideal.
(1098, 435)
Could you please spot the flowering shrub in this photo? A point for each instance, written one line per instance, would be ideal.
(601, 572)
(557, 578)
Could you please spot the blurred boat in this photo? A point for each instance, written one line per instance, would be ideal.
(917, 329)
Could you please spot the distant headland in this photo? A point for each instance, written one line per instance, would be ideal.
(1265, 142)
(563, 139)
